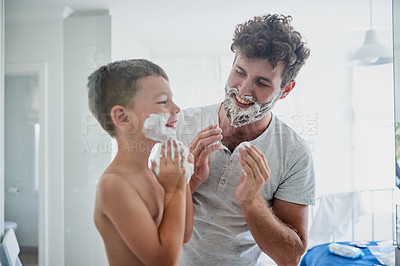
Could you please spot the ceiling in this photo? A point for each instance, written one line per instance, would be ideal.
(185, 27)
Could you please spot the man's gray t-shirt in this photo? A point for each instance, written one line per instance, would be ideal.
(220, 233)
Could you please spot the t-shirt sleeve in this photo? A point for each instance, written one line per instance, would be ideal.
(298, 185)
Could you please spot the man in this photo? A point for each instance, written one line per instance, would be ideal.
(252, 199)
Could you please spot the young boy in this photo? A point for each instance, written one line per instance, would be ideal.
(140, 218)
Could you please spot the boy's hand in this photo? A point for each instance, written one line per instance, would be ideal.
(172, 174)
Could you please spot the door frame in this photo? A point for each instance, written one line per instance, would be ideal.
(1, 119)
(40, 70)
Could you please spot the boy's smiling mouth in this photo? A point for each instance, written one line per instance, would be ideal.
(172, 124)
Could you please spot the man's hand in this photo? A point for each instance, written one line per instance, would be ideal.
(255, 174)
(201, 150)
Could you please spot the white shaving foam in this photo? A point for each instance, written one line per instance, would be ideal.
(184, 151)
(155, 128)
(240, 117)
(244, 145)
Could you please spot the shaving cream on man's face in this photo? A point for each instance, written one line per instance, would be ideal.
(240, 116)
(155, 128)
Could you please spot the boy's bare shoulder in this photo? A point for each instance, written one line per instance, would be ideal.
(111, 180)
(114, 186)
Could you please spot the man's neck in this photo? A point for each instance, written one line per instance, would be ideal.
(233, 136)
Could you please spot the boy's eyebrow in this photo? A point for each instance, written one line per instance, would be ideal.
(162, 93)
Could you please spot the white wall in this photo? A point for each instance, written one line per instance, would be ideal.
(42, 41)
(126, 43)
(323, 93)
(373, 131)
(87, 152)
(1, 117)
(396, 55)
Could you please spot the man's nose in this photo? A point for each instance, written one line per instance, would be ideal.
(246, 87)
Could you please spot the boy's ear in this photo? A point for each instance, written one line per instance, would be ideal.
(121, 118)
(289, 87)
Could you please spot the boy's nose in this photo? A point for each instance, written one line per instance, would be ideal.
(175, 108)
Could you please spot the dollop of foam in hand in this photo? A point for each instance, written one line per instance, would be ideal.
(155, 127)
(244, 145)
(184, 151)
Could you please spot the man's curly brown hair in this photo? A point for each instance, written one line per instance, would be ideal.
(272, 37)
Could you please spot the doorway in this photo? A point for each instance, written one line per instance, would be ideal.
(24, 158)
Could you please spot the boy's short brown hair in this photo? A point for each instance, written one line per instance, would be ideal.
(116, 84)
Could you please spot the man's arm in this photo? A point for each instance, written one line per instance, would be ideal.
(282, 232)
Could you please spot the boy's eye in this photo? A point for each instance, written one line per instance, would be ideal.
(162, 102)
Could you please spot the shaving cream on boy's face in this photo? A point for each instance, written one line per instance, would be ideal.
(239, 116)
(155, 127)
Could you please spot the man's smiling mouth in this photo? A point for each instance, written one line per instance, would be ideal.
(242, 100)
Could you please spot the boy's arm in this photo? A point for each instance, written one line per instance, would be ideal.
(127, 211)
(189, 215)
(189, 208)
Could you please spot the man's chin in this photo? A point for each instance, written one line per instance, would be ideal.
(238, 120)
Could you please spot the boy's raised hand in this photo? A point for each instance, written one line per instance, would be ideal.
(171, 175)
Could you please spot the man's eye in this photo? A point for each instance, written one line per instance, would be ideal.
(262, 84)
(239, 72)
(162, 102)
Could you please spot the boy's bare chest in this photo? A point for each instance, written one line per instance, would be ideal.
(153, 196)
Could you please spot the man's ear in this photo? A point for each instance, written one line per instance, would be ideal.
(121, 118)
(289, 87)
